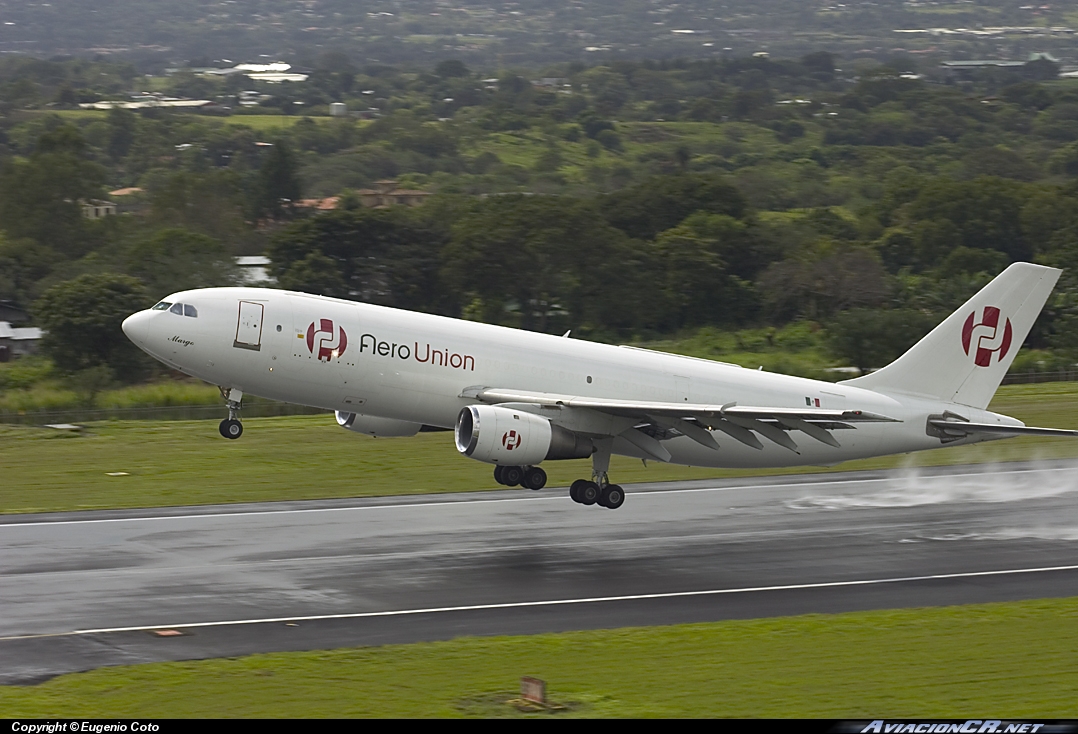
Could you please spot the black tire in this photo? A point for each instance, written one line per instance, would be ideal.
(534, 478)
(498, 472)
(612, 497)
(512, 475)
(231, 429)
(574, 489)
(588, 493)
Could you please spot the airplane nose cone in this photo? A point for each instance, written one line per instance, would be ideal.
(134, 327)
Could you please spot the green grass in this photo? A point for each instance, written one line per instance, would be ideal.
(1012, 660)
(796, 349)
(187, 462)
(263, 123)
(53, 393)
(258, 122)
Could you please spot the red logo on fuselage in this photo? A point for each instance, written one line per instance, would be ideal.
(510, 440)
(987, 337)
(331, 342)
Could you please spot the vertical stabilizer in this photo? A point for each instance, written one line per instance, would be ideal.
(964, 359)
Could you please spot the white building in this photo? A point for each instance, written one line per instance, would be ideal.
(17, 341)
(253, 270)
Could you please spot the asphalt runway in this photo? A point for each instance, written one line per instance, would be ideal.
(84, 590)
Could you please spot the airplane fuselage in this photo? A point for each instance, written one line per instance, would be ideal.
(420, 368)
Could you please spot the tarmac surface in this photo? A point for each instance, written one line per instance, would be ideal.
(84, 590)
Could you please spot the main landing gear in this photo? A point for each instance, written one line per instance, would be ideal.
(602, 493)
(599, 491)
(529, 477)
(231, 426)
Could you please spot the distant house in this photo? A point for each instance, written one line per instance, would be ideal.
(16, 341)
(129, 200)
(327, 204)
(97, 208)
(387, 193)
(963, 68)
(151, 101)
(253, 269)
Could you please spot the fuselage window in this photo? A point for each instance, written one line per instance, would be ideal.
(177, 308)
(163, 306)
(189, 310)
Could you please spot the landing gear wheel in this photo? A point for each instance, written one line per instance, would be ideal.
(588, 493)
(512, 475)
(231, 428)
(534, 478)
(574, 490)
(499, 473)
(612, 496)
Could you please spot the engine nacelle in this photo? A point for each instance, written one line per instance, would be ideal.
(378, 427)
(509, 437)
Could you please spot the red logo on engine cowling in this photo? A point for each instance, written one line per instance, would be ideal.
(986, 337)
(331, 341)
(511, 439)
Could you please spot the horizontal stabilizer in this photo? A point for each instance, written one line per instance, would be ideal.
(962, 428)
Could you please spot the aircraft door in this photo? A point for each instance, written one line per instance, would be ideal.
(249, 326)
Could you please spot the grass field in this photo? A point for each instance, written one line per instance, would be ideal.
(257, 122)
(1014, 660)
(307, 457)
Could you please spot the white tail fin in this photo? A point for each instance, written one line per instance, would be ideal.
(964, 359)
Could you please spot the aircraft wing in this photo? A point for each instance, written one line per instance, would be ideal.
(657, 421)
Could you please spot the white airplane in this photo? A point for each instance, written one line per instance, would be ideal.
(517, 398)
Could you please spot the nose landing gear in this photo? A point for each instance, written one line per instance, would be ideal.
(231, 427)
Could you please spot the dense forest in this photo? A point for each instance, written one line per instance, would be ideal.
(633, 201)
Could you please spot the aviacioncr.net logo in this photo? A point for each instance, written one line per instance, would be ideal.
(330, 341)
(986, 336)
(511, 439)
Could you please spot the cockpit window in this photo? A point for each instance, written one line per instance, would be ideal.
(177, 308)
(163, 306)
(189, 310)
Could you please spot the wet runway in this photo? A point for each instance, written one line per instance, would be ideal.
(83, 590)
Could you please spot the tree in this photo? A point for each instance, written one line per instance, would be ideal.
(39, 197)
(662, 202)
(451, 68)
(22, 264)
(177, 259)
(278, 186)
(695, 283)
(122, 124)
(836, 280)
(210, 203)
(819, 61)
(872, 338)
(383, 256)
(550, 257)
(82, 318)
(981, 214)
(316, 274)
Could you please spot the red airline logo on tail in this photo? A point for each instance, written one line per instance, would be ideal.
(986, 337)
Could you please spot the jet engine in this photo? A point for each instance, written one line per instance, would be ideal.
(510, 437)
(378, 427)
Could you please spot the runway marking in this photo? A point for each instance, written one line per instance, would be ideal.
(552, 602)
(546, 498)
